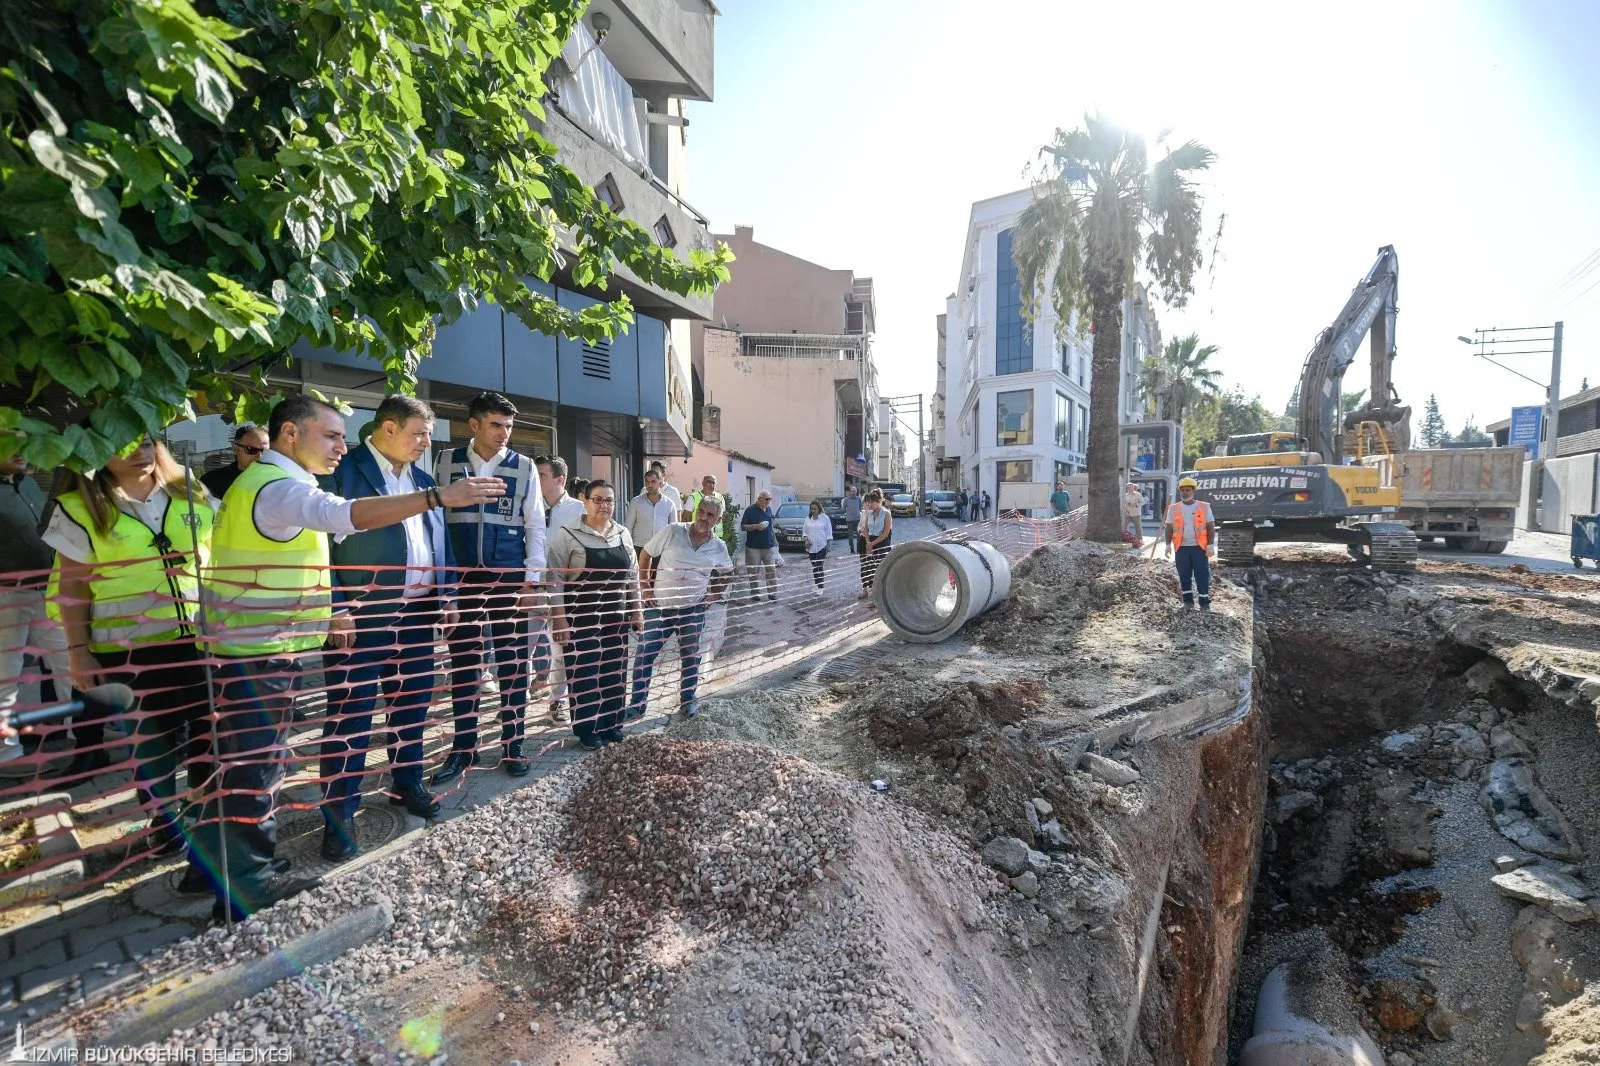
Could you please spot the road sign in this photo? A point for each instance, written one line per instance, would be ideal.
(1526, 426)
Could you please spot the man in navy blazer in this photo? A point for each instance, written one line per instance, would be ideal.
(398, 586)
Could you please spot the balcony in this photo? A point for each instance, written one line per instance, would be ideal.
(663, 47)
(614, 131)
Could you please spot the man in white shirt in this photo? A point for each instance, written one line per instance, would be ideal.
(235, 841)
(559, 510)
(499, 547)
(682, 570)
(401, 590)
(651, 511)
(667, 488)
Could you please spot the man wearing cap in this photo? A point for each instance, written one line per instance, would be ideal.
(1191, 531)
(760, 547)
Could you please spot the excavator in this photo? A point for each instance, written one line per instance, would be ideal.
(1333, 480)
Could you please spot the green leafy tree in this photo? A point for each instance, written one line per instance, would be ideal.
(183, 197)
(1214, 419)
(1101, 211)
(1433, 431)
(1349, 401)
(1472, 437)
(1292, 408)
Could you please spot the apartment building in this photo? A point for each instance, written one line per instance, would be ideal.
(616, 115)
(1016, 394)
(786, 368)
(943, 472)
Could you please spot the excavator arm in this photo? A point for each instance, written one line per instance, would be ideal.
(1370, 311)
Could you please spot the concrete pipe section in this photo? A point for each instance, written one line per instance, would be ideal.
(927, 590)
(1286, 1038)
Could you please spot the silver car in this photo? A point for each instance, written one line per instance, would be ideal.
(940, 504)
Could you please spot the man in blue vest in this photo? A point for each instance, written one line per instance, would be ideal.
(500, 550)
(399, 590)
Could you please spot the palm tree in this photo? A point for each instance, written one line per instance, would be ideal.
(1188, 379)
(1101, 209)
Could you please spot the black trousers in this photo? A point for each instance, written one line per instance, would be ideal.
(487, 603)
(237, 836)
(169, 724)
(597, 674)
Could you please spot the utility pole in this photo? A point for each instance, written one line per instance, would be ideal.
(1552, 409)
(1490, 343)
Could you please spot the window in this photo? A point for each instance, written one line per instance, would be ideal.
(1082, 428)
(1013, 417)
(972, 424)
(1063, 470)
(608, 193)
(664, 235)
(1013, 340)
(855, 317)
(1015, 470)
(1063, 421)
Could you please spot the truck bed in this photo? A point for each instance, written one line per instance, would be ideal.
(1461, 476)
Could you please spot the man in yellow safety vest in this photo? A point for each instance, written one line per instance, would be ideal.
(268, 602)
(1190, 533)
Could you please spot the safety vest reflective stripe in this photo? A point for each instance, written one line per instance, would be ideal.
(491, 534)
(1202, 521)
(263, 596)
(137, 594)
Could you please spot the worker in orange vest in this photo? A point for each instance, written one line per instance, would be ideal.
(1191, 531)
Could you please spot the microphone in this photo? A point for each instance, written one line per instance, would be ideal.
(101, 701)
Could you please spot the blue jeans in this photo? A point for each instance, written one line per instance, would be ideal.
(686, 623)
(395, 644)
(1194, 569)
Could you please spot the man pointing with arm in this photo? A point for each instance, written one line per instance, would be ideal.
(268, 601)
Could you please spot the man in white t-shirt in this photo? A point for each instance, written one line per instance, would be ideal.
(682, 570)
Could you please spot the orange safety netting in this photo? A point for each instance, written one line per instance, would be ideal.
(413, 686)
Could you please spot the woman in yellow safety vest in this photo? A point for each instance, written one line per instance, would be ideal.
(129, 540)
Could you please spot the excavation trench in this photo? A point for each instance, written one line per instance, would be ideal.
(1390, 721)
(1086, 828)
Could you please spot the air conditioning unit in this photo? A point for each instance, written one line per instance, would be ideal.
(972, 331)
(972, 283)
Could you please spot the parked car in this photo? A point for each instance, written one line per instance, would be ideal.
(833, 507)
(789, 524)
(940, 504)
(903, 503)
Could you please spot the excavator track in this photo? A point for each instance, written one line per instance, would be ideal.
(1392, 546)
(1236, 545)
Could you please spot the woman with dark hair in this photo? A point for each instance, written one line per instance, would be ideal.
(877, 524)
(595, 564)
(129, 541)
(818, 532)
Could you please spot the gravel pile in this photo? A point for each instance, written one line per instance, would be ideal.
(663, 895)
(439, 891)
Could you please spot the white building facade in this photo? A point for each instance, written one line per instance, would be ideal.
(1016, 393)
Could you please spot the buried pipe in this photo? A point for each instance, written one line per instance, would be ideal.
(927, 590)
(1284, 1037)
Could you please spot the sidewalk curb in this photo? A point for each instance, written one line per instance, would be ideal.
(190, 1004)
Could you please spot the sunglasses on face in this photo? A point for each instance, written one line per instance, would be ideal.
(249, 449)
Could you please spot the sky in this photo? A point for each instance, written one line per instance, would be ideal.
(858, 133)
